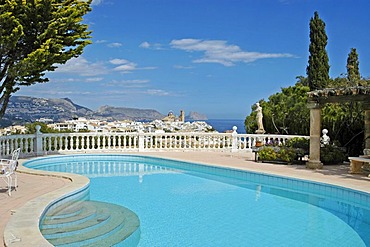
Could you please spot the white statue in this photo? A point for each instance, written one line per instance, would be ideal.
(259, 117)
(325, 139)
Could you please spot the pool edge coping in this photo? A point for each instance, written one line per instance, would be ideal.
(23, 225)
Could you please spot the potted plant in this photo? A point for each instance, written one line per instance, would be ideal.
(259, 143)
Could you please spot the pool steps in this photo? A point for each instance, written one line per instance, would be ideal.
(90, 223)
(88, 217)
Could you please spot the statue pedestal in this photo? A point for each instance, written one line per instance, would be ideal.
(261, 132)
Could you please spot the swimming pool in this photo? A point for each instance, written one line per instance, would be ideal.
(186, 204)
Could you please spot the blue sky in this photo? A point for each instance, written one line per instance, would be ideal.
(216, 57)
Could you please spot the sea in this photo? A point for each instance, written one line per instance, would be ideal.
(222, 125)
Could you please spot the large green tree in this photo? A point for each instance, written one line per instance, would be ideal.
(353, 71)
(285, 112)
(36, 36)
(318, 61)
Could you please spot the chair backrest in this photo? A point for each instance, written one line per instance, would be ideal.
(16, 153)
(13, 166)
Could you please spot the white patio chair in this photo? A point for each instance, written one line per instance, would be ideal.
(8, 168)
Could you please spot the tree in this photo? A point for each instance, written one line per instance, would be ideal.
(36, 36)
(285, 112)
(318, 61)
(353, 72)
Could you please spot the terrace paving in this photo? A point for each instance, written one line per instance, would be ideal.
(29, 187)
(32, 186)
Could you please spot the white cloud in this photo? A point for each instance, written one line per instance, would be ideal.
(126, 66)
(135, 81)
(115, 45)
(101, 41)
(118, 61)
(144, 45)
(218, 51)
(128, 83)
(149, 68)
(94, 79)
(147, 45)
(157, 92)
(182, 67)
(96, 2)
(82, 67)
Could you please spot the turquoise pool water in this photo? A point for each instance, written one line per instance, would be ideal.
(185, 204)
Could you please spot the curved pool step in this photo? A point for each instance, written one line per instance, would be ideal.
(67, 210)
(71, 215)
(97, 224)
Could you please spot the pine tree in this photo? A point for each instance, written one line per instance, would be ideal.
(35, 36)
(318, 62)
(353, 72)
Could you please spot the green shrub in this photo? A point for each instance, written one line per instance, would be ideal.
(299, 142)
(287, 154)
(267, 153)
(277, 154)
(331, 155)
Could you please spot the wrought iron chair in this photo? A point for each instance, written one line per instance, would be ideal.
(8, 170)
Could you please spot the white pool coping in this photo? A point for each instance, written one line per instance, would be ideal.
(23, 227)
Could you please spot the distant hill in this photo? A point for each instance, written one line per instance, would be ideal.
(119, 113)
(195, 116)
(24, 109)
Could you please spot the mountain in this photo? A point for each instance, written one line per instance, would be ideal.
(24, 109)
(120, 113)
(195, 116)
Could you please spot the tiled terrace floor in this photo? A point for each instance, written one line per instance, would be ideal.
(29, 187)
(32, 186)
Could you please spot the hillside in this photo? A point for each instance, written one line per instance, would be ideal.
(24, 109)
(195, 116)
(120, 113)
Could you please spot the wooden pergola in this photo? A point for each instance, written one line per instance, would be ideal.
(317, 99)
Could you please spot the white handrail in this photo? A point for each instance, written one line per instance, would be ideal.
(52, 143)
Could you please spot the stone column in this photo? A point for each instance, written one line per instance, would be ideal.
(367, 128)
(315, 127)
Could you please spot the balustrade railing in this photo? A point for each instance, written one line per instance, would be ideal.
(53, 143)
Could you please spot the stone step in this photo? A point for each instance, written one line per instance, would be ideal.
(67, 210)
(85, 213)
(72, 229)
(111, 225)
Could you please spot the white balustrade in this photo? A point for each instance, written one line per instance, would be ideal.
(53, 143)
